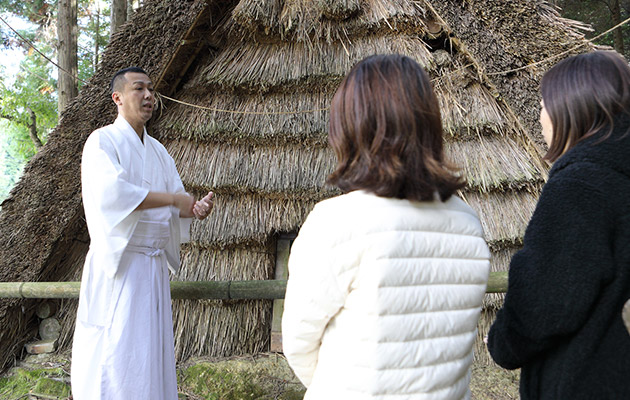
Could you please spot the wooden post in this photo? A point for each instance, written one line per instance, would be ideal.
(283, 246)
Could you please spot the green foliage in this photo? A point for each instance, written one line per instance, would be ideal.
(11, 165)
(91, 18)
(32, 89)
(598, 14)
(35, 86)
(36, 11)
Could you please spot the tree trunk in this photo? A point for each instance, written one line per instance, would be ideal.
(615, 11)
(129, 9)
(67, 31)
(97, 28)
(119, 14)
(32, 130)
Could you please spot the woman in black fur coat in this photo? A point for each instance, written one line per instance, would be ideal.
(561, 321)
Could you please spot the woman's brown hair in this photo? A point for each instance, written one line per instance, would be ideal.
(386, 131)
(582, 95)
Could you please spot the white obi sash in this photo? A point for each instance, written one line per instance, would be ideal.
(149, 238)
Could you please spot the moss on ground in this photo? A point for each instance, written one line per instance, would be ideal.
(51, 389)
(260, 377)
(45, 383)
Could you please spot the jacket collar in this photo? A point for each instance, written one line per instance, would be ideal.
(613, 152)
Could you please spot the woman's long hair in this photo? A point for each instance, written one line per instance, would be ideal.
(582, 95)
(386, 131)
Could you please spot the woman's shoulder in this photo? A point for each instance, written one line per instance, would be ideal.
(364, 211)
(359, 201)
(585, 173)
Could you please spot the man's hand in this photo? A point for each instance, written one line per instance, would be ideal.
(203, 207)
(184, 202)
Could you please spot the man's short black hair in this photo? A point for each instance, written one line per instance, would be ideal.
(121, 74)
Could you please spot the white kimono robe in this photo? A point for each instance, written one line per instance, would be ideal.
(123, 341)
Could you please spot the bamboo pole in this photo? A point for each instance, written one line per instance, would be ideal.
(497, 282)
(220, 290)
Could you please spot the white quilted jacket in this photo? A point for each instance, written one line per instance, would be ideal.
(383, 298)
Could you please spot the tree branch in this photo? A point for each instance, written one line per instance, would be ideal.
(8, 117)
(32, 129)
(607, 3)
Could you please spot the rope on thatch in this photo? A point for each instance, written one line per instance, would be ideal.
(182, 122)
(562, 54)
(229, 117)
(158, 95)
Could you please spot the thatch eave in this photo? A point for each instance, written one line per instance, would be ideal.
(488, 164)
(275, 64)
(306, 21)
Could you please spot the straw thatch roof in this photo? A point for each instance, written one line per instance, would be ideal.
(275, 65)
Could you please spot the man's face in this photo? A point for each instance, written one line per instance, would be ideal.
(135, 98)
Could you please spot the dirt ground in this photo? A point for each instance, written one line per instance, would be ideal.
(264, 376)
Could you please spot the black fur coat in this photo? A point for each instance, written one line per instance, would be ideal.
(561, 321)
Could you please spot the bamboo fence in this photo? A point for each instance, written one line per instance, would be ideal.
(215, 290)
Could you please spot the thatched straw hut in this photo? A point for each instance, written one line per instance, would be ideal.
(258, 76)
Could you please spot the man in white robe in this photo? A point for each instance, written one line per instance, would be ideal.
(137, 213)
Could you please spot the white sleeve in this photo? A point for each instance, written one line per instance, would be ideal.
(107, 192)
(176, 186)
(109, 199)
(312, 298)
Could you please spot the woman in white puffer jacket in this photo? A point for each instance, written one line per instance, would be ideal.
(386, 281)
